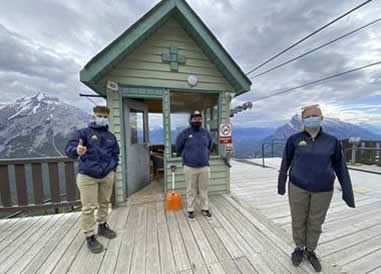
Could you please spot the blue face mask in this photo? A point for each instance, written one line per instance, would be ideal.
(312, 122)
(100, 121)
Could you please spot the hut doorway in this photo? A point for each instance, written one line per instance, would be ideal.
(144, 146)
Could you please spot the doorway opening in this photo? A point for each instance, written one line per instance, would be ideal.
(144, 142)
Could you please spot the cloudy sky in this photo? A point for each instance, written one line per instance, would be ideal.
(45, 43)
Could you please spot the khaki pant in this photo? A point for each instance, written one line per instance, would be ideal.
(95, 194)
(308, 211)
(196, 179)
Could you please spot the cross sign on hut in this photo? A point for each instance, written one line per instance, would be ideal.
(173, 58)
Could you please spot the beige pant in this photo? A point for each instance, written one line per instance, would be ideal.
(95, 194)
(196, 179)
(308, 211)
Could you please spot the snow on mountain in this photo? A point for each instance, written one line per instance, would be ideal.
(38, 126)
(249, 146)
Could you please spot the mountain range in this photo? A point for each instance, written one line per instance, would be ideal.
(39, 126)
(273, 143)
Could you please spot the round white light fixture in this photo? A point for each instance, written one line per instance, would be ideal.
(192, 80)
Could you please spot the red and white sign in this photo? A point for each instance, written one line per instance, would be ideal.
(226, 133)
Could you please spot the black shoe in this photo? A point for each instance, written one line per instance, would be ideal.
(105, 231)
(311, 256)
(206, 213)
(93, 245)
(191, 215)
(297, 256)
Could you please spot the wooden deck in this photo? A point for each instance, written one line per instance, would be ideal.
(351, 238)
(240, 238)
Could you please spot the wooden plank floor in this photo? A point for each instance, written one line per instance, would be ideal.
(150, 240)
(351, 238)
(238, 239)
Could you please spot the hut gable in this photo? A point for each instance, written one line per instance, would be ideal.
(162, 49)
(166, 59)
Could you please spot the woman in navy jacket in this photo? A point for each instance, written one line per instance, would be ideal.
(313, 158)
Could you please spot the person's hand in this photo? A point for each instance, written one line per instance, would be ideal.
(81, 150)
(281, 190)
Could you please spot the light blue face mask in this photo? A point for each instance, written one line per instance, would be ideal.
(312, 122)
(100, 121)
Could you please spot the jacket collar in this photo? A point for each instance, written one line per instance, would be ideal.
(306, 133)
(96, 127)
(193, 129)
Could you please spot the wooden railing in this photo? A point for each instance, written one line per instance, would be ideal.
(366, 152)
(30, 184)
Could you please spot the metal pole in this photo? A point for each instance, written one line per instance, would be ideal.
(354, 150)
(272, 148)
(263, 155)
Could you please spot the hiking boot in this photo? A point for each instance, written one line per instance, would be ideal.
(206, 213)
(105, 231)
(297, 256)
(93, 245)
(313, 259)
(191, 215)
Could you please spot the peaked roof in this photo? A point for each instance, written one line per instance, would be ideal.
(132, 38)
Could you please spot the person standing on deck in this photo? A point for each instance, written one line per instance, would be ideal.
(98, 153)
(194, 144)
(313, 158)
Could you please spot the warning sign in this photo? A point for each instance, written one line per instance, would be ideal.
(226, 133)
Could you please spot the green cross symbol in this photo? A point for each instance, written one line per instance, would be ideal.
(173, 58)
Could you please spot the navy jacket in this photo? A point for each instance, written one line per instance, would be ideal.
(194, 145)
(102, 154)
(313, 164)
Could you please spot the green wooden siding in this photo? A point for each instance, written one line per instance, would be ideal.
(141, 92)
(113, 103)
(218, 181)
(144, 66)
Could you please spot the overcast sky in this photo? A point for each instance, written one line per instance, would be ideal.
(45, 43)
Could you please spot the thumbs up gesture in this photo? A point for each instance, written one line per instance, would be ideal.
(81, 150)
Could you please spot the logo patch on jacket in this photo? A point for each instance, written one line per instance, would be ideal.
(94, 137)
(190, 136)
(302, 143)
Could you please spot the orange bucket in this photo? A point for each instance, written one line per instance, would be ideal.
(173, 198)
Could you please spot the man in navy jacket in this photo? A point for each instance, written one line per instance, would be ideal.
(313, 157)
(98, 153)
(194, 144)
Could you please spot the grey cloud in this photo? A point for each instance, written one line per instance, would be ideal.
(324, 63)
(63, 35)
(23, 56)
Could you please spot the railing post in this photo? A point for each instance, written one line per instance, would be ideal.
(4, 186)
(70, 182)
(38, 192)
(54, 182)
(22, 197)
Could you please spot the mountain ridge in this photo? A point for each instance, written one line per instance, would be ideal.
(40, 125)
(274, 142)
